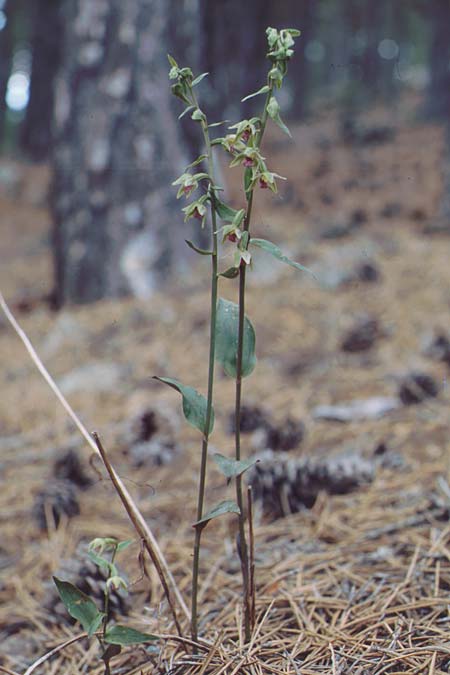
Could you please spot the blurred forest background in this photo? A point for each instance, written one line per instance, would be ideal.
(84, 89)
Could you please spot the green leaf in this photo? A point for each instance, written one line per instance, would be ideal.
(232, 467)
(79, 605)
(263, 90)
(185, 111)
(224, 212)
(96, 623)
(220, 509)
(198, 115)
(101, 562)
(122, 545)
(217, 124)
(227, 328)
(197, 161)
(194, 404)
(273, 110)
(198, 79)
(195, 248)
(172, 61)
(230, 273)
(277, 253)
(121, 635)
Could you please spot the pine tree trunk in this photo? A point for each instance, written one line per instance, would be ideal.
(36, 135)
(438, 98)
(117, 150)
(6, 52)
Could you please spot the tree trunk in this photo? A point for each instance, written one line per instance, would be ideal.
(438, 98)
(6, 52)
(233, 52)
(46, 28)
(117, 150)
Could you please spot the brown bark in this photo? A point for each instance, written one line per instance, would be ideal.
(117, 150)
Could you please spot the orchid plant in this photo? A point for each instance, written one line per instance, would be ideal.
(231, 333)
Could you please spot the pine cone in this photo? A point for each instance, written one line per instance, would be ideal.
(287, 485)
(61, 497)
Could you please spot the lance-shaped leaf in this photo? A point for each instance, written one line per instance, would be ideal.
(121, 635)
(186, 111)
(232, 467)
(79, 605)
(194, 404)
(263, 90)
(271, 248)
(198, 79)
(195, 248)
(228, 506)
(223, 211)
(227, 333)
(273, 110)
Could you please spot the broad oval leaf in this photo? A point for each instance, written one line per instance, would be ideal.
(227, 331)
(194, 404)
(232, 467)
(227, 506)
(79, 605)
(276, 252)
(121, 635)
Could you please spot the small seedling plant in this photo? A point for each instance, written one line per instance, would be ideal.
(231, 339)
(97, 623)
(232, 335)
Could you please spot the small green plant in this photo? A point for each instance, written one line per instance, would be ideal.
(231, 334)
(96, 622)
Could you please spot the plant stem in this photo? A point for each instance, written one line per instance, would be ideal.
(243, 549)
(212, 345)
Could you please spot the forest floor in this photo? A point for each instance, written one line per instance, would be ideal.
(357, 582)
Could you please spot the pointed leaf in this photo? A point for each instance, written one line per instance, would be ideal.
(199, 78)
(194, 404)
(230, 273)
(121, 635)
(227, 339)
(263, 90)
(220, 509)
(122, 545)
(78, 604)
(277, 253)
(172, 61)
(217, 124)
(232, 467)
(96, 623)
(196, 249)
(273, 109)
(197, 161)
(279, 122)
(185, 111)
(223, 211)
